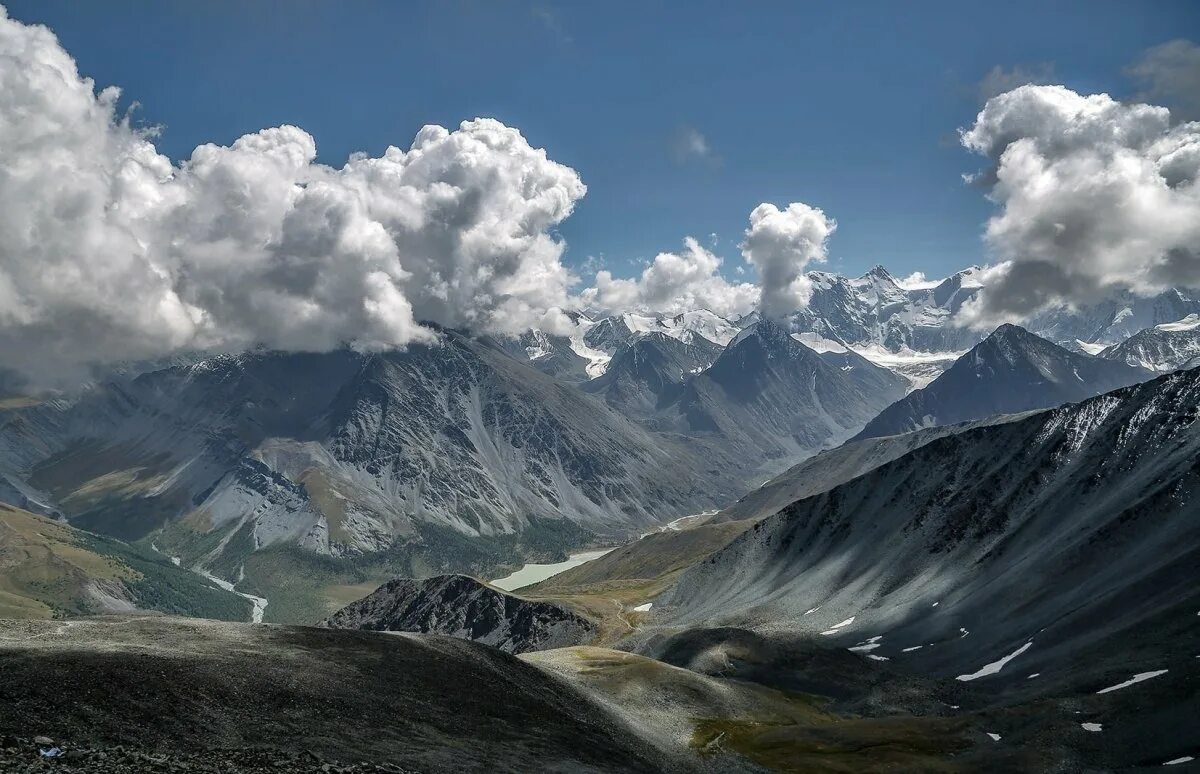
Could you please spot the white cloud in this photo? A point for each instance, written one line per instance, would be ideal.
(781, 244)
(673, 283)
(110, 251)
(689, 144)
(917, 281)
(1094, 195)
(1170, 75)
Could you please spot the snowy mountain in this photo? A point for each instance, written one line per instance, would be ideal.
(460, 606)
(1065, 542)
(1116, 319)
(1164, 347)
(1010, 371)
(876, 310)
(595, 341)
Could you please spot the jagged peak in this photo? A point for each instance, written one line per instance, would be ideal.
(879, 272)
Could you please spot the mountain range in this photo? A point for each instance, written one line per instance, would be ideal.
(830, 549)
(1009, 372)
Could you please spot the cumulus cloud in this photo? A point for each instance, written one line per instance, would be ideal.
(1093, 195)
(674, 283)
(781, 244)
(110, 251)
(1170, 75)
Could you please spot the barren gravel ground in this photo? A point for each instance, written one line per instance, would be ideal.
(209, 696)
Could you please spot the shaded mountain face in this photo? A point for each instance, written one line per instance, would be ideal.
(651, 369)
(550, 354)
(460, 606)
(1065, 542)
(1009, 372)
(834, 467)
(441, 452)
(770, 398)
(49, 570)
(1164, 347)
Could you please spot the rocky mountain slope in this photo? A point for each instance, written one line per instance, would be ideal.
(834, 467)
(51, 570)
(447, 457)
(460, 606)
(1050, 556)
(1164, 347)
(1010, 371)
(772, 398)
(651, 369)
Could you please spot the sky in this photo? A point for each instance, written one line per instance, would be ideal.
(179, 177)
(680, 118)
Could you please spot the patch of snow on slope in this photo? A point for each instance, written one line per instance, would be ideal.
(1091, 348)
(995, 666)
(834, 629)
(1139, 677)
(867, 645)
(1191, 322)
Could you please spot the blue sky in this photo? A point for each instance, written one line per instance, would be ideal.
(849, 107)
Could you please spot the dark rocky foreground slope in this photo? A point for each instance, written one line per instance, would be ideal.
(460, 606)
(1054, 556)
(197, 692)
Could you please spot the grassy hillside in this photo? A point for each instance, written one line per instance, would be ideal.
(49, 569)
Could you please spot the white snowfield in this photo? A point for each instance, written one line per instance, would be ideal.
(1191, 322)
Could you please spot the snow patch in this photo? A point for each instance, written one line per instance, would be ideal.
(1139, 677)
(1191, 322)
(834, 629)
(995, 666)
